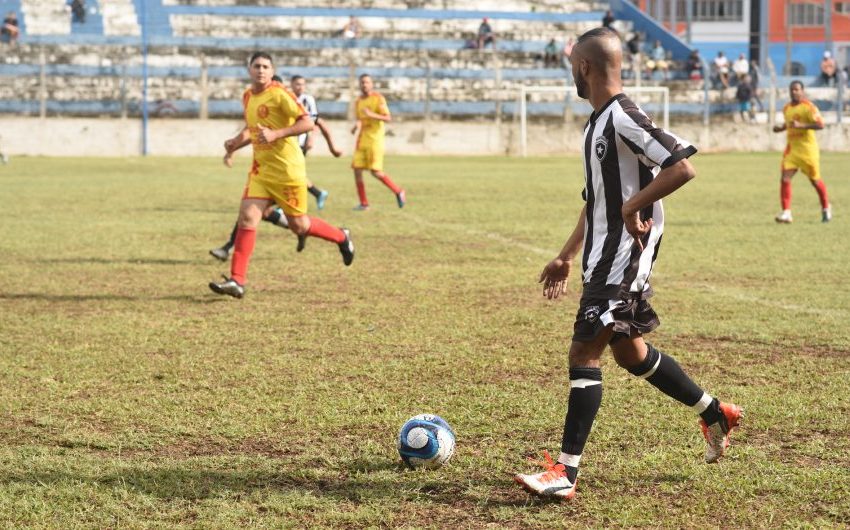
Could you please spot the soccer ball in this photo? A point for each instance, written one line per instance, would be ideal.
(426, 441)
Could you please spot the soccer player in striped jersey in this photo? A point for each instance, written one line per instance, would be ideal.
(372, 113)
(802, 119)
(630, 164)
(274, 214)
(274, 119)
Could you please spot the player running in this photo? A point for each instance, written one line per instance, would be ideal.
(372, 113)
(802, 119)
(274, 214)
(630, 164)
(273, 119)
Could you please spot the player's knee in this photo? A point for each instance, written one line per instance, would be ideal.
(299, 225)
(584, 355)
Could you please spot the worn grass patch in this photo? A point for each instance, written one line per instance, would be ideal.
(132, 396)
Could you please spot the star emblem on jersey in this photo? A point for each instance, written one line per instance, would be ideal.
(262, 111)
(600, 147)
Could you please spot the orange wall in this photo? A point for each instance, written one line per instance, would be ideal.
(840, 25)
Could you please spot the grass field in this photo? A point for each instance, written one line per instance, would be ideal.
(134, 397)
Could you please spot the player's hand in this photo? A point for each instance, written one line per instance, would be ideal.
(778, 128)
(354, 129)
(336, 152)
(636, 227)
(230, 145)
(554, 278)
(797, 124)
(266, 135)
(228, 159)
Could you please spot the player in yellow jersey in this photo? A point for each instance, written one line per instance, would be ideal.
(274, 119)
(802, 119)
(372, 113)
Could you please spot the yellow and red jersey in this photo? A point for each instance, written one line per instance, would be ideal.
(275, 107)
(371, 130)
(802, 140)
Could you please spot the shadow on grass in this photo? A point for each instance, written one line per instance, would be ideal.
(42, 297)
(362, 481)
(129, 261)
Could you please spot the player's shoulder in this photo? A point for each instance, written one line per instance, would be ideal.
(630, 114)
(809, 105)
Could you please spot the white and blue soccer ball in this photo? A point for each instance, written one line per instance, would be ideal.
(426, 441)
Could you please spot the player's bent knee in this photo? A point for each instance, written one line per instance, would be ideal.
(299, 225)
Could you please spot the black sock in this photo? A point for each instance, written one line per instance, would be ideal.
(232, 241)
(713, 413)
(665, 374)
(583, 404)
(273, 217)
(314, 191)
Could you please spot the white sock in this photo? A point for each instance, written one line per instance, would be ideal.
(703, 403)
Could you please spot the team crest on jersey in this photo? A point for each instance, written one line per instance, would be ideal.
(591, 313)
(262, 111)
(600, 147)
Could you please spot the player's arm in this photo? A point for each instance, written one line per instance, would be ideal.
(239, 141)
(302, 124)
(376, 116)
(354, 128)
(666, 182)
(779, 128)
(816, 125)
(329, 139)
(556, 273)
(308, 144)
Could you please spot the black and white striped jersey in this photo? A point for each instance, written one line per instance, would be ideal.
(623, 151)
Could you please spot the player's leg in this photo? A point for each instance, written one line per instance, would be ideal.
(250, 214)
(319, 194)
(361, 189)
(664, 373)
(589, 341)
(812, 170)
(377, 167)
(223, 252)
(303, 225)
(789, 168)
(274, 215)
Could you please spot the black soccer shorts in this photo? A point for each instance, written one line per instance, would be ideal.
(627, 314)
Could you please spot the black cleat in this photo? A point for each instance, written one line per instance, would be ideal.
(229, 287)
(221, 253)
(302, 242)
(346, 248)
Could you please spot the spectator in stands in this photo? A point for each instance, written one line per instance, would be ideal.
(633, 46)
(351, 30)
(828, 69)
(721, 67)
(485, 34)
(565, 58)
(9, 32)
(693, 66)
(550, 54)
(78, 11)
(658, 63)
(741, 67)
(744, 95)
(755, 76)
(608, 20)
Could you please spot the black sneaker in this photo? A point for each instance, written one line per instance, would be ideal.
(229, 287)
(346, 248)
(302, 242)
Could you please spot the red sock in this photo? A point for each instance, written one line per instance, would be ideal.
(785, 194)
(242, 250)
(821, 188)
(319, 228)
(383, 177)
(361, 192)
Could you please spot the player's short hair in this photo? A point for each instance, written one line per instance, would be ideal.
(295, 78)
(260, 55)
(362, 76)
(596, 33)
(797, 82)
(277, 78)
